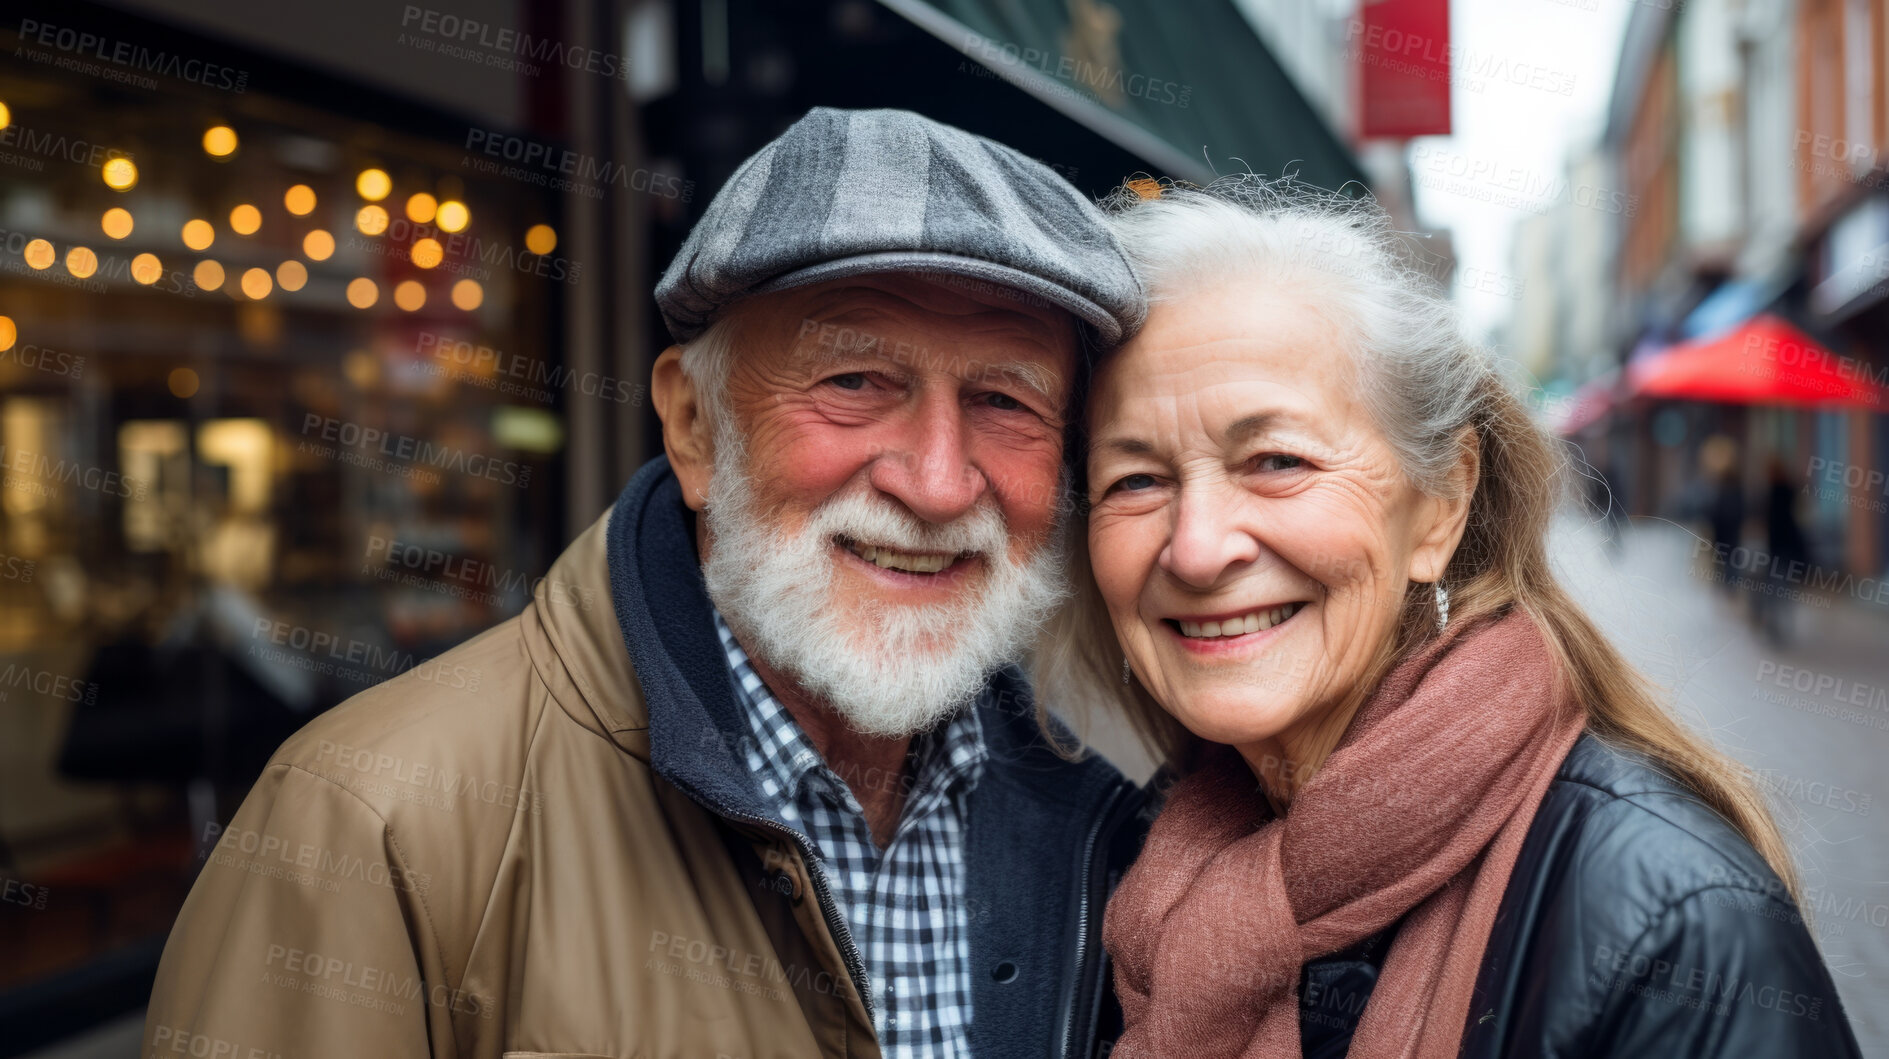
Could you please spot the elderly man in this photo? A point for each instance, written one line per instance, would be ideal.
(787, 797)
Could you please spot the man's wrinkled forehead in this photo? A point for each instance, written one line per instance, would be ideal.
(868, 321)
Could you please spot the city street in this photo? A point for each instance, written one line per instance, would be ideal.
(1811, 716)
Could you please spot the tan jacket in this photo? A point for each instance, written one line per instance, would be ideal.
(475, 859)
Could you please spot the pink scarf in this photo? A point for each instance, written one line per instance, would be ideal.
(1418, 815)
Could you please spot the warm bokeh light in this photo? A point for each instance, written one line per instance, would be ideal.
(427, 253)
(116, 222)
(453, 215)
(183, 382)
(39, 254)
(291, 275)
(409, 294)
(373, 184)
(361, 368)
(208, 275)
(318, 245)
(468, 295)
(299, 200)
(257, 284)
(371, 220)
(245, 219)
(421, 207)
(120, 174)
(541, 239)
(146, 269)
(198, 234)
(362, 292)
(8, 333)
(219, 141)
(6, 116)
(81, 261)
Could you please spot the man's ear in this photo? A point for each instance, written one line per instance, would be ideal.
(1441, 520)
(686, 433)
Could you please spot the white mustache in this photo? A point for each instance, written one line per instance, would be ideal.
(870, 519)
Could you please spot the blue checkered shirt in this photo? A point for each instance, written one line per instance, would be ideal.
(905, 906)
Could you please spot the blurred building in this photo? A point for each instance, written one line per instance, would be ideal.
(323, 327)
(1744, 266)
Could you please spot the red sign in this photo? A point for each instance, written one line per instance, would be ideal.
(1403, 54)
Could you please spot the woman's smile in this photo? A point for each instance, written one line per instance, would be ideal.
(1232, 634)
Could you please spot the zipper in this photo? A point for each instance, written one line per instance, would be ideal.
(1079, 997)
(835, 922)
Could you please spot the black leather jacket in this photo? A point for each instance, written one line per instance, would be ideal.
(1636, 923)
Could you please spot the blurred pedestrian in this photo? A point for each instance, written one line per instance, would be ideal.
(1790, 551)
(1725, 507)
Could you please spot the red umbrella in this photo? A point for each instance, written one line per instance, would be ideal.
(1761, 361)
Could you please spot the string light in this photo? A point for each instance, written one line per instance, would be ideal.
(427, 253)
(373, 184)
(146, 269)
(198, 234)
(39, 254)
(409, 294)
(81, 261)
(318, 245)
(363, 292)
(245, 219)
(421, 207)
(453, 215)
(120, 174)
(117, 222)
(208, 275)
(468, 295)
(257, 284)
(299, 200)
(219, 141)
(371, 220)
(541, 239)
(291, 275)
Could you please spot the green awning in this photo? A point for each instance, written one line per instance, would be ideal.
(1193, 92)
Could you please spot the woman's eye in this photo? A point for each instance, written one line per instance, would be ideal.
(1279, 461)
(852, 380)
(1134, 483)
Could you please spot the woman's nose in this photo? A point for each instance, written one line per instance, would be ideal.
(1210, 536)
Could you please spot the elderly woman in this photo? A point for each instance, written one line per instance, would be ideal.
(1424, 808)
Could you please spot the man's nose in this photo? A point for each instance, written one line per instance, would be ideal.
(1210, 536)
(928, 466)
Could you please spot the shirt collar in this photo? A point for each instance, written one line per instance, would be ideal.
(943, 758)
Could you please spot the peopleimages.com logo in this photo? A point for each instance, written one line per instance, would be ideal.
(413, 452)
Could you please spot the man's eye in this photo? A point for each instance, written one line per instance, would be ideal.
(1279, 461)
(852, 380)
(1003, 402)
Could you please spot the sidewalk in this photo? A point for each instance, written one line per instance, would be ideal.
(1811, 715)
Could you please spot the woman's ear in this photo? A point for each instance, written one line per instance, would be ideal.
(686, 433)
(1441, 520)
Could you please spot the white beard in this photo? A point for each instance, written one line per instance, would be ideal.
(887, 669)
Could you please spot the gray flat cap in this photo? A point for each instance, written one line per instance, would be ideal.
(848, 192)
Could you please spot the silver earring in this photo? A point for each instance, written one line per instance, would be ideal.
(1124, 669)
(1442, 607)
